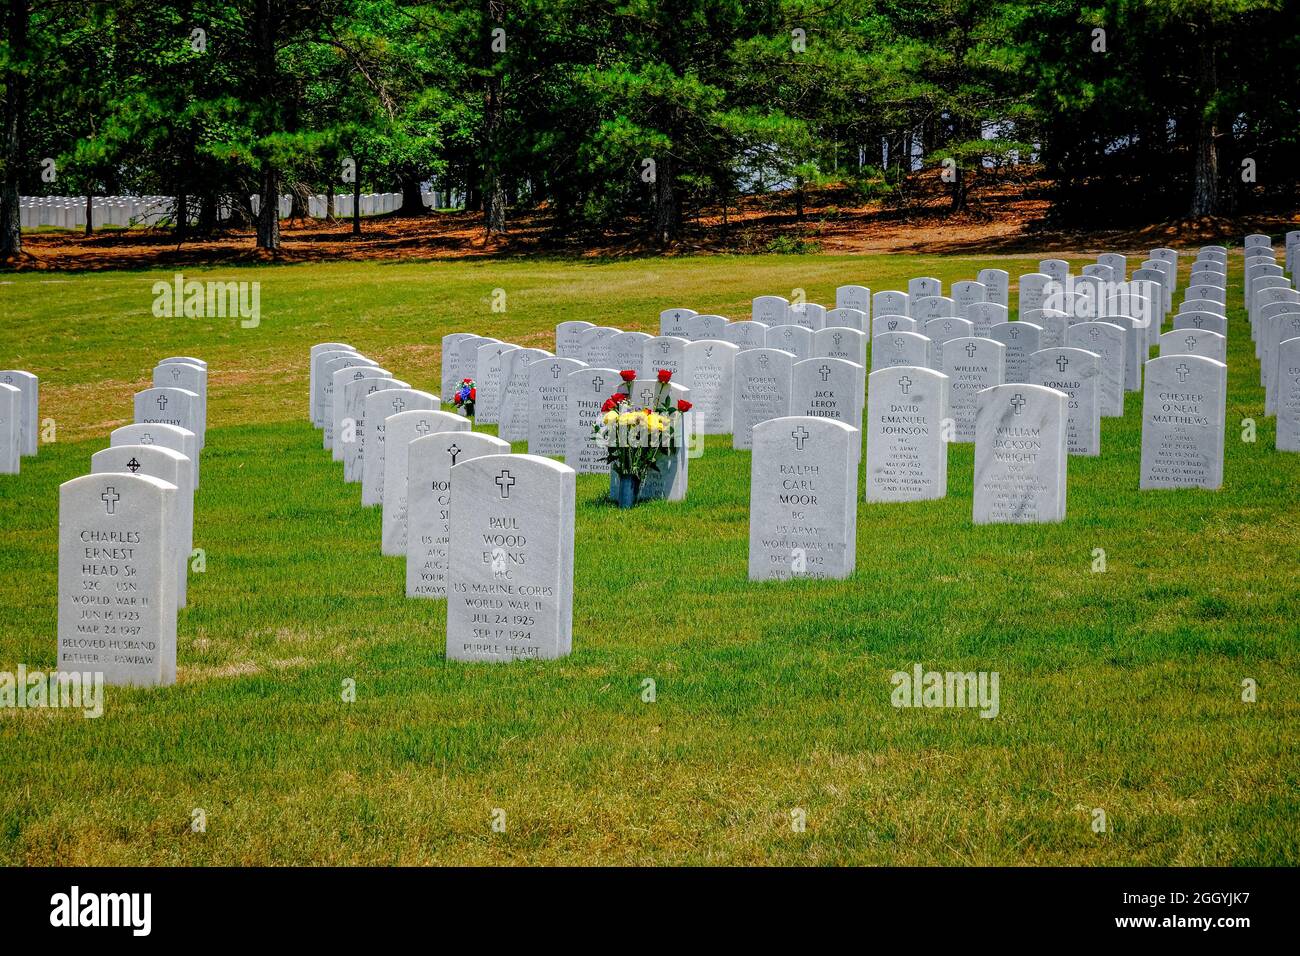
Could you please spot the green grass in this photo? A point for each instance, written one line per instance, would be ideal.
(1119, 690)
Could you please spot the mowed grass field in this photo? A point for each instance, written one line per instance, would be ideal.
(1119, 691)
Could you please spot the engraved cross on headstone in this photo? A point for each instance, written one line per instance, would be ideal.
(1183, 371)
(1014, 333)
(110, 498)
(800, 435)
(1062, 363)
(133, 465)
(422, 426)
(162, 402)
(555, 372)
(1190, 342)
(1018, 403)
(146, 439)
(505, 481)
(905, 384)
(971, 349)
(825, 372)
(453, 449)
(598, 383)
(398, 404)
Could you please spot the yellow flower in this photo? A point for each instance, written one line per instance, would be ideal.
(656, 423)
(610, 418)
(627, 419)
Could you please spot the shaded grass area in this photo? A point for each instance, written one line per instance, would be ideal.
(1120, 691)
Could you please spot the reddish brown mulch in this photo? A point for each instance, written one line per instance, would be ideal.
(1006, 218)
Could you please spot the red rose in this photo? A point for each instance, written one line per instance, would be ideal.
(628, 375)
(682, 404)
(664, 376)
(473, 394)
(609, 406)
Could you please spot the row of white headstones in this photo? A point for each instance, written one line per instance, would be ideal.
(499, 552)
(69, 212)
(1273, 306)
(20, 402)
(938, 389)
(126, 535)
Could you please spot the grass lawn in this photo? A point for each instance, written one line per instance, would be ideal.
(1120, 691)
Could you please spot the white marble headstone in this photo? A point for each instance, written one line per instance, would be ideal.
(400, 431)
(548, 388)
(1020, 339)
(828, 388)
(428, 495)
(516, 394)
(763, 379)
(1183, 410)
(1077, 373)
(588, 388)
(890, 349)
(170, 406)
(971, 364)
(158, 461)
(379, 407)
(117, 578)
(803, 499)
(794, 339)
(510, 570)
(709, 374)
(1106, 339)
(907, 457)
(1020, 455)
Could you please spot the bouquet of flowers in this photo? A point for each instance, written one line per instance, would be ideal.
(464, 396)
(637, 437)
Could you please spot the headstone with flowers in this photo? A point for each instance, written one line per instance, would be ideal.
(643, 435)
(463, 398)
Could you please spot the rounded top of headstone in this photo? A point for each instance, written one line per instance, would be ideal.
(132, 490)
(802, 427)
(479, 443)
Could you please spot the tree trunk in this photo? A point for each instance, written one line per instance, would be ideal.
(208, 213)
(356, 197)
(90, 219)
(181, 225)
(298, 202)
(15, 20)
(494, 199)
(667, 213)
(265, 29)
(268, 212)
(798, 198)
(412, 199)
(1205, 179)
(329, 201)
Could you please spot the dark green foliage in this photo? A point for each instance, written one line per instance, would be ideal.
(647, 111)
